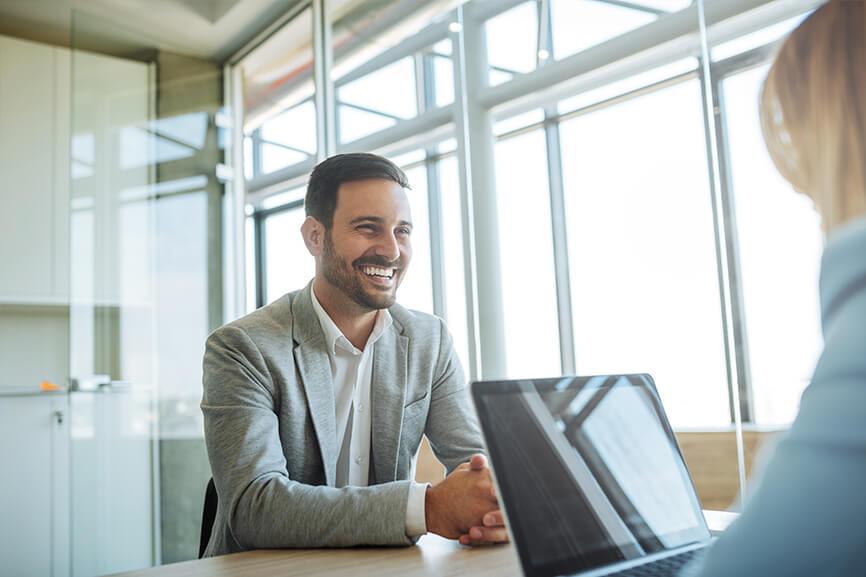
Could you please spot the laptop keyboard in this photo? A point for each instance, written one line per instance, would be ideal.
(666, 567)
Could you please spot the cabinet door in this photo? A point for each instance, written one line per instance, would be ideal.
(112, 481)
(34, 524)
(27, 152)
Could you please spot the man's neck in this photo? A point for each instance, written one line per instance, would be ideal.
(356, 323)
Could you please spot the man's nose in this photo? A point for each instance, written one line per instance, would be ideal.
(388, 247)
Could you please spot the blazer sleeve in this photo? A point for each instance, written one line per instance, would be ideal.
(265, 508)
(452, 426)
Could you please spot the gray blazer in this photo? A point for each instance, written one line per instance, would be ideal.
(808, 515)
(269, 415)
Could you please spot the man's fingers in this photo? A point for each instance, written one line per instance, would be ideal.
(494, 519)
(478, 462)
(484, 536)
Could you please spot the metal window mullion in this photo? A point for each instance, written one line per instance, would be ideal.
(437, 258)
(369, 110)
(720, 242)
(425, 77)
(257, 151)
(286, 147)
(326, 129)
(544, 39)
(553, 157)
(235, 279)
(261, 258)
(266, 212)
(636, 7)
(720, 237)
(486, 356)
(560, 249)
(745, 60)
(738, 316)
(556, 188)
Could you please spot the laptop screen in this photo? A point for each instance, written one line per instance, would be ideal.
(588, 470)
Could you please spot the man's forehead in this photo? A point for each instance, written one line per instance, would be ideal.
(378, 197)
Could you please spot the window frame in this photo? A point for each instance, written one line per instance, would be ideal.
(431, 119)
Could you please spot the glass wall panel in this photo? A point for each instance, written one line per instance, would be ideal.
(780, 270)
(146, 289)
(644, 281)
(526, 257)
(113, 317)
(774, 277)
(643, 274)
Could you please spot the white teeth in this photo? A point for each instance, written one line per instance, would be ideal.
(375, 271)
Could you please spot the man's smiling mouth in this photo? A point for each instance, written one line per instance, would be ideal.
(375, 271)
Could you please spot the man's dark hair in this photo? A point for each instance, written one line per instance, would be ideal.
(328, 175)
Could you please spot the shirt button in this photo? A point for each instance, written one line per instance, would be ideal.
(361, 408)
(359, 460)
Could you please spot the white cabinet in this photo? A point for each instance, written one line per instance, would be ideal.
(112, 485)
(34, 160)
(34, 213)
(34, 485)
(77, 484)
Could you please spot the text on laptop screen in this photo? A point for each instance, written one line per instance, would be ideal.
(592, 473)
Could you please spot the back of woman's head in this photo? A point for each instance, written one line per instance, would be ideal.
(813, 110)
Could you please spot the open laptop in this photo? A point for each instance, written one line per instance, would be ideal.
(589, 476)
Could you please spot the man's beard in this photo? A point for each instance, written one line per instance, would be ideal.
(347, 278)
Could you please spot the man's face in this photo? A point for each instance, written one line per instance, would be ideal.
(368, 248)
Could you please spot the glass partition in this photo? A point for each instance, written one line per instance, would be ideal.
(145, 291)
(772, 278)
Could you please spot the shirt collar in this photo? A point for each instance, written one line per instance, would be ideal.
(334, 337)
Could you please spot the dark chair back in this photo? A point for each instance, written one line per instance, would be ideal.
(207, 516)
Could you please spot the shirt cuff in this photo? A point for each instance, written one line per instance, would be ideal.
(416, 521)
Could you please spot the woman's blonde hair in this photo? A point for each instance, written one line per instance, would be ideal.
(813, 110)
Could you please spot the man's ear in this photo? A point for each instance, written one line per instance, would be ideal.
(313, 232)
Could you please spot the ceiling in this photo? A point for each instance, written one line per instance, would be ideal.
(208, 29)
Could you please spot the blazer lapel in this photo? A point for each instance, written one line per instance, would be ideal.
(314, 371)
(390, 371)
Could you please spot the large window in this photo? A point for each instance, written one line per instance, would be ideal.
(280, 112)
(287, 261)
(526, 257)
(581, 25)
(416, 291)
(453, 273)
(643, 275)
(618, 250)
(780, 246)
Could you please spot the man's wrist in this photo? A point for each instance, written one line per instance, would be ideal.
(429, 510)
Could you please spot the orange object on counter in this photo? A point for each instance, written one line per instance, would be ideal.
(49, 386)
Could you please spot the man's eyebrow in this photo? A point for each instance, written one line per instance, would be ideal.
(377, 220)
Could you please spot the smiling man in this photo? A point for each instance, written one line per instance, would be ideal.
(315, 405)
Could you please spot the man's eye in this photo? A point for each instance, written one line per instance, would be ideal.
(366, 227)
(405, 231)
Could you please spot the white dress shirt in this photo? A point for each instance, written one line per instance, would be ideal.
(352, 375)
